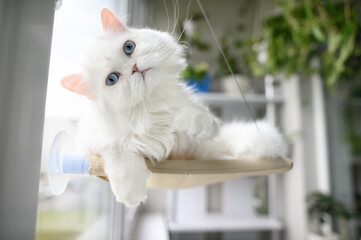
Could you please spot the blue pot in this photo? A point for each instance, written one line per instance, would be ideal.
(202, 87)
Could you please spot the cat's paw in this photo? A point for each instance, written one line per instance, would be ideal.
(128, 180)
(131, 197)
(197, 122)
(130, 189)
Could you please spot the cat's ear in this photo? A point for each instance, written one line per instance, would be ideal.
(76, 84)
(110, 22)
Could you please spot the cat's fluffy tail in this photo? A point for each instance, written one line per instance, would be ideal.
(242, 140)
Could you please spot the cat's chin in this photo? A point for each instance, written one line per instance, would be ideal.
(137, 79)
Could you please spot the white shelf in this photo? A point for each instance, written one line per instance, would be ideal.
(225, 99)
(219, 223)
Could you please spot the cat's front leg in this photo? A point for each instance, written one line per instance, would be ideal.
(196, 122)
(128, 175)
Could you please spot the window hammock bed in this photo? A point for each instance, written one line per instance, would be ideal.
(167, 174)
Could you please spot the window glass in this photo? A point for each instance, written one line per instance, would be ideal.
(83, 210)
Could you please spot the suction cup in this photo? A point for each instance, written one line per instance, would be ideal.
(57, 179)
(62, 163)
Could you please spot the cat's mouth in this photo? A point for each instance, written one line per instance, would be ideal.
(136, 70)
(144, 72)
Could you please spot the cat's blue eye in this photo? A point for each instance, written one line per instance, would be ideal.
(112, 78)
(128, 47)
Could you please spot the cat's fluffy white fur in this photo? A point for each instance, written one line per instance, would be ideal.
(155, 117)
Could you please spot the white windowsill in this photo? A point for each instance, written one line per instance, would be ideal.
(219, 223)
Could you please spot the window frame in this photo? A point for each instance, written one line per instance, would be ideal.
(25, 42)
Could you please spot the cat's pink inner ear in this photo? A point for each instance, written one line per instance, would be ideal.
(76, 84)
(110, 22)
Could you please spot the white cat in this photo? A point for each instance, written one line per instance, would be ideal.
(142, 111)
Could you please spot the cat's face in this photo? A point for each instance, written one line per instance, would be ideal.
(126, 66)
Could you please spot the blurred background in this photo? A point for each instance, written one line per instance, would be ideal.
(298, 64)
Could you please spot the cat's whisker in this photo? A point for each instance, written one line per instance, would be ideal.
(131, 103)
(178, 12)
(166, 11)
(165, 50)
(130, 119)
(176, 15)
(188, 47)
(159, 47)
(158, 53)
(154, 50)
(173, 16)
(189, 4)
(183, 30)
(145, 112)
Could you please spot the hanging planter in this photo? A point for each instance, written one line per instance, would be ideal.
(311, 37)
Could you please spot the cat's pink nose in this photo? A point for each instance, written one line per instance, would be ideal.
(135, 69)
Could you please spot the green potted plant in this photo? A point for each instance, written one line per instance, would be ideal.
(321, 208)
(196, 75)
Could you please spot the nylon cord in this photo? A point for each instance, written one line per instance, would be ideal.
(227, 63)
